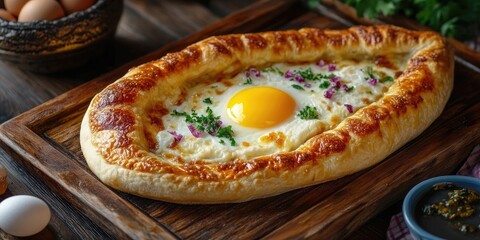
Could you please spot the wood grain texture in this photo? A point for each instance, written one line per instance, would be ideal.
(21, 90)
(44, 141)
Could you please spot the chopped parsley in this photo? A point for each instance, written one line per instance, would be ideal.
(227, 133)
(207, 101)
(206, 123)
(308, 74)
(249, 81)
(273, 70)
(298, 87)
(371, 74)
(308, 113)
(325, 84)
(348, 88)
(178, 114)
(386, 79)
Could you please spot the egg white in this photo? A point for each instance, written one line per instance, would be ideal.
(250, 142)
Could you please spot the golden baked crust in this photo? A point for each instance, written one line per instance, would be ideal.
(119, 127)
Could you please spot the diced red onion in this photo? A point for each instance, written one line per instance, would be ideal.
(345, 87)
(307, 85)
(329, 93)
(321, 63)
(372, 81)
(332, 67)
(255, 72)
(336, 81)
(288, 74)
(176, 136)
(252, 72)
(196, 133)
(299, 79)
(349, 108)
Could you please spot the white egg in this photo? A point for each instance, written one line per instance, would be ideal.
(23, 215)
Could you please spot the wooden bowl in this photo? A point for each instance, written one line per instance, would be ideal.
(62, 44)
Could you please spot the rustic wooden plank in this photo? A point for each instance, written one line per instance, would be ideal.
(21, 90)
(148, 25)
(44, 117)
(82, 189)
(223, 8)
(21, 182)
(170, 16)
(54, 127)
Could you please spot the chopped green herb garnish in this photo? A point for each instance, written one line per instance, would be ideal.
(298, 87)
(308, 113)
(386, 79)
(369, 72)
(376, 75)
(207, 101)
(248, 81)
(273, 70)
(177, 113)
(222, 142)
(325, 84)
(214, 86)
(207, 123)
(308, 74)
(349, 89)
(227, 133)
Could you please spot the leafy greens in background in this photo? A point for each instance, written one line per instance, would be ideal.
(459, 19)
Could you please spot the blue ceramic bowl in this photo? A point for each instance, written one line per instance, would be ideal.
(418, 192)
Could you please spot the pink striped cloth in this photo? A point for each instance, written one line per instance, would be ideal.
(397, 230)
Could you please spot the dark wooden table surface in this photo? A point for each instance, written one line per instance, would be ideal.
(145, 25)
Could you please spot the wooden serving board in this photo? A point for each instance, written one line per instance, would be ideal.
(46, 141)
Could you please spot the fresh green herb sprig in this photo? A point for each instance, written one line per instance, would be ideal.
(249, 81)
(308, 74)
(273, 70)
(386, 79)
(308, 113)
(207, 100)
(458, 19)
(298, 87)
(325, 84)
(369, 71)
(227, 133)
(376, 75)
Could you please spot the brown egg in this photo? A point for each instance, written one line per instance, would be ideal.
(14, 6)
(71, 6)
(41, 10)
(6, 15)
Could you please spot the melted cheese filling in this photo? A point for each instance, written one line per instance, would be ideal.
(347, 86)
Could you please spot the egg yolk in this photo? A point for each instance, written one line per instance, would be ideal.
(260, 107)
